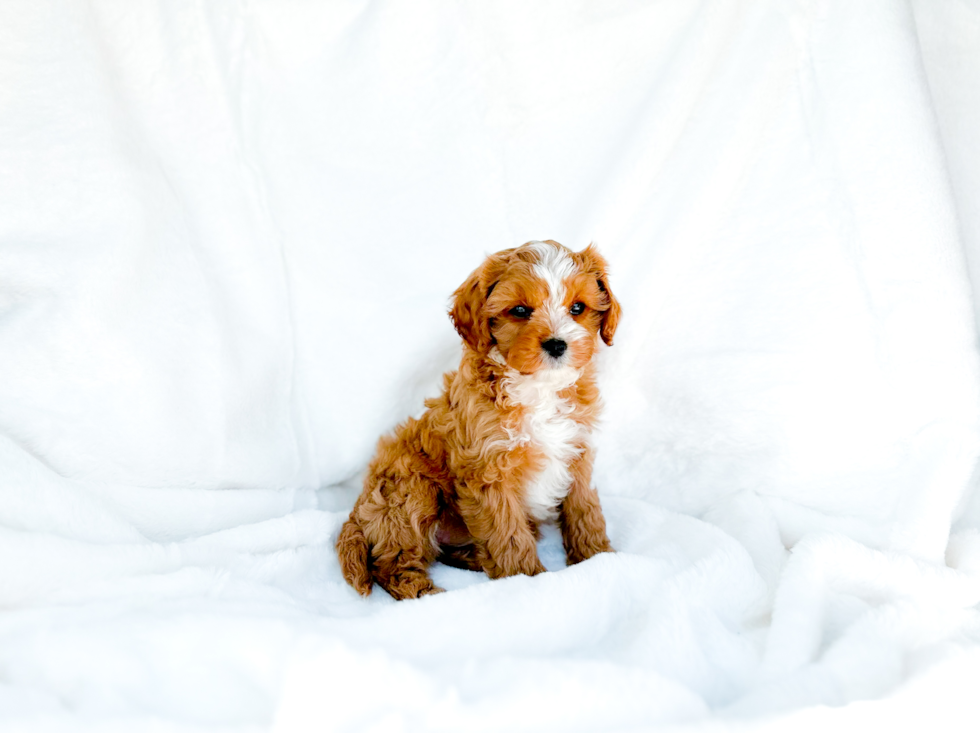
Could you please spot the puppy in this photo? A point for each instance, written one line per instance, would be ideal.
(506, 445)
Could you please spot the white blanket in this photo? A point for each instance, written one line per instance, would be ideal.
(228, 233)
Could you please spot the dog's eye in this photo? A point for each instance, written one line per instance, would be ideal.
(520, 311)
(577, 309)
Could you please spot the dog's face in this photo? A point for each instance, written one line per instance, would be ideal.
(540, 305)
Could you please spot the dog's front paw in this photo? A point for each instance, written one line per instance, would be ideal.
(514, 564)
(532, 566)
(411, 585)
(585, 548)
(433, 590)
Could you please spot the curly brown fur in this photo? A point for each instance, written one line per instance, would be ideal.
(506, 445)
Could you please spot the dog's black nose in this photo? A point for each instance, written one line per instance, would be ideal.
(555, 347)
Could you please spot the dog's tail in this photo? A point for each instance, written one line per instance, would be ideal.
(352, 549)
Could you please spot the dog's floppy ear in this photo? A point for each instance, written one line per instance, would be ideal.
(595, 265)
(469, 300)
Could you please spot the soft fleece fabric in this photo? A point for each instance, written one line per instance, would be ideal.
(228, 232)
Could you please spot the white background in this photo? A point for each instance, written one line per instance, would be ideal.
(228, 234)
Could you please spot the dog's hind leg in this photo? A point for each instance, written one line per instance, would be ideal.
(352, 550)
(401, 530)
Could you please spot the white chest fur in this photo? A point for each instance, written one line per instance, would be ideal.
(548, 426)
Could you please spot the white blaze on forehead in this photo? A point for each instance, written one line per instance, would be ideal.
(554, 266)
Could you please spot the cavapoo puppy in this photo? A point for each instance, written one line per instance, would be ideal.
(506, 445)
